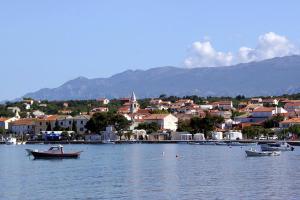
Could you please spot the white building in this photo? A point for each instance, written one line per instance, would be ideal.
(206, 107)
(104, 101)
(165, 121)
(80, 122)
(267, 112)
(5, 121)
(234, 135)
(217, 135)
(199, 136)
(22, 126)
(186, 136)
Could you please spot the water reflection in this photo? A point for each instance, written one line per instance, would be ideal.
(149, 171)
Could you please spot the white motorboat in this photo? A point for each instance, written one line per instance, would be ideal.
(11, 141)
(254, 152)
(222, 143)
(278, 146)
(107, 142)
(241, 144)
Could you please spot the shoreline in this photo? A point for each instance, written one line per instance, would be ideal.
(293, 143)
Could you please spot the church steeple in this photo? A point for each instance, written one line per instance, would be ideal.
(134, 106)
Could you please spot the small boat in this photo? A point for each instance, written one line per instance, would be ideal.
(107, 142)
(241, 144)
(253, 152)
(21, 143)
(11, 141)
(278, 146)
(55, 152)
(221, 143)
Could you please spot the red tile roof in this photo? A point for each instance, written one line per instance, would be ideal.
(293, 120)
(156, 117)
(2, 119)
(263, 109)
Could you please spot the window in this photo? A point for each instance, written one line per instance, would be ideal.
(81, 129)
(81, 122)
(61, 123)
(41, 123)
(70, 122)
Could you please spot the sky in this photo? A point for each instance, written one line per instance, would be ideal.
(45, 43)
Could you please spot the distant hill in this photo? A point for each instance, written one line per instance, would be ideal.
(269, 77)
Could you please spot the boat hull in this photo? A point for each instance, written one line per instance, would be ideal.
(261, 153)
(266, 147)
(44, 155)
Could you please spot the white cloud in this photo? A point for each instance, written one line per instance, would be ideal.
(203, 54)
(270, 45)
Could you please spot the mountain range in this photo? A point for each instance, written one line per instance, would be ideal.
(275, 76)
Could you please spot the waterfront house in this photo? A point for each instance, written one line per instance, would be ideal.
(4, 122)
(216, 135)
(22, 126)
(199, 136)
(186, 136)
(41, 124)
(165, 121)
(234, 135)
(80, 121)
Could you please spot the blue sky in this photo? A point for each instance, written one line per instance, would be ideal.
(45, 43)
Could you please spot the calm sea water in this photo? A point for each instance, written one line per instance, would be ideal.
(141, 171)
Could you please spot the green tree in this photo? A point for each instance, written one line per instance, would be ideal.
(100, 121)
(2, 131)
(149, 127)
(159, 112)
(49, 128)
(255, 131)
(273, 122)
(184, 125)
(206, 124)
(128, 134)
(295, 129)
(57, 126)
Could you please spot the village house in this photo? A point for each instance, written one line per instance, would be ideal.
(206, 107)
(165, 121)
(103, 101)
(256, 101)
(38, 113)
(22, 126)
(4, 122)
(80, 121)
(223, 105)
(16, 110)
(155, 101)
(99, 109)
(42, 124)
(290, 122)
(269, 102)
(267, 112)
(292, 106)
